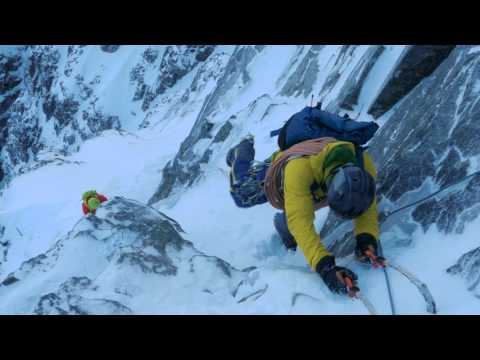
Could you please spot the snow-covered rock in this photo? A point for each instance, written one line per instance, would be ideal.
(185, 168)
(468, 267)
(107, 263)
(56, 97)
(10, 81)
(176, 62)
(435, 133)
(43, 112)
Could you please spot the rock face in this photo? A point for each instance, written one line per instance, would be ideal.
(10, 81)
(351, 89)
(429, 142)
(49, 101)
(68, 300)
(305, 75)
(46, 103)
(468, 267)
(4, 245)
(109, 48)
(444, 156)
(185, 167)
(176, 62)
(33, 96)
(127, 250)
(418, 62)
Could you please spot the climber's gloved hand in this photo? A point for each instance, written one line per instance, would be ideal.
(333, 275)
(366, 251)
(365, 242)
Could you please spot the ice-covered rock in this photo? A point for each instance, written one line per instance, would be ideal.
(35, 101)
(468, 267)
(10, 81)
(184, 169)
(429, 142)
(176, 62)
(106, 263)
(302, 80)
(51, 99)
(350, 92)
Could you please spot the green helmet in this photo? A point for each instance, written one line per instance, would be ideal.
(88, 194)
(93, 203)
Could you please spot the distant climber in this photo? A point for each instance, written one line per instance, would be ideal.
(310, 174)
(91, 201)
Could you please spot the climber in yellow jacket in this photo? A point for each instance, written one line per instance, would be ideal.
(333, 174)
(299, 176)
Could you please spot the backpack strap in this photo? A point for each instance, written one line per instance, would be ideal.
(315, 186)
(274, 178)
(359, 155)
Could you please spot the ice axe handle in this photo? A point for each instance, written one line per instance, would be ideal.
(377, 261)
(352, 290)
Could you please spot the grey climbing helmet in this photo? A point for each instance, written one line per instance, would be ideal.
(350, 191)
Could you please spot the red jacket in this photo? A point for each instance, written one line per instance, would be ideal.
(85, 208)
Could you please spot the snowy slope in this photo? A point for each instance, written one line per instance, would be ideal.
(170, 152)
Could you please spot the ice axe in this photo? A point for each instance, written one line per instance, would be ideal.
(354, 293)
(377, 261)
(352, 289)
(381, 262)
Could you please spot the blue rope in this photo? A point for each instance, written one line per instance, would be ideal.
(387, 280)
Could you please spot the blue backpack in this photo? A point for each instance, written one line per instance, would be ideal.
(313, 123)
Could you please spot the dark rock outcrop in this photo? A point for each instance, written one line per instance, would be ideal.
(223, 133)
(74, 52)
(418, 62)
(109, 48)
(10, 84)
(426, 144)
(9, 79)
(4, 245)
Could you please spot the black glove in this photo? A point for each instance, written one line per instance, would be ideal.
(328, 272)
(365, 242)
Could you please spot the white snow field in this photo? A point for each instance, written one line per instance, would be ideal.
(43, 205)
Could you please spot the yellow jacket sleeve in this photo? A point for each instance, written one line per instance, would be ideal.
(368, 221)
(300, 211)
